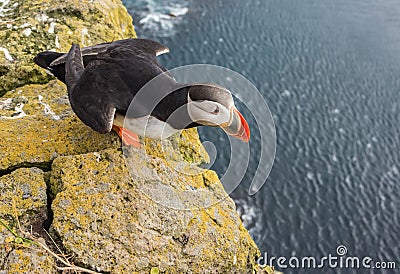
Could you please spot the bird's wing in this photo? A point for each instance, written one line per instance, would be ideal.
(89, 91)
(91, 99)
(148, 46)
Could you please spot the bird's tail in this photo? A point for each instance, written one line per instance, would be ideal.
(44, 59)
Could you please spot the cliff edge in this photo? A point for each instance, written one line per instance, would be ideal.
(109, 208)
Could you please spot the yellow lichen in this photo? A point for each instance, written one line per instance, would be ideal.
(101, 210)
(92, 189)
(86, 22)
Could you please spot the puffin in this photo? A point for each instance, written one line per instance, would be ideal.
(103, 79)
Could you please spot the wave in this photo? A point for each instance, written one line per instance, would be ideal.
(154, 18)
(250, 215)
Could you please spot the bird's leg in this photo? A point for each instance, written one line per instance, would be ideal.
(127, 137)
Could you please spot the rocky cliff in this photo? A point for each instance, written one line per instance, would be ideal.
(109, 208)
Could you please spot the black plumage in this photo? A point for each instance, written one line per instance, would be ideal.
(103, 79)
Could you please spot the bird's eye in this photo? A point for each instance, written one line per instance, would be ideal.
(216, 111)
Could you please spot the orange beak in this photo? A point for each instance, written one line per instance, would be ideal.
(238, 128)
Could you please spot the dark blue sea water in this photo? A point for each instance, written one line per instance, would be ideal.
(330, 72)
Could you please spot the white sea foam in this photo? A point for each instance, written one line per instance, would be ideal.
(178, 11)
(250, 216)
(286, 93)
(159, 17)
(395, 170)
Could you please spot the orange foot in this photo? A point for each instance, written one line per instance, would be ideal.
(127, 137)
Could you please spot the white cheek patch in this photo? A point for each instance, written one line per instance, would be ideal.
(201, 112)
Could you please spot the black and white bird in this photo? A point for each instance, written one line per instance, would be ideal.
(102, 80)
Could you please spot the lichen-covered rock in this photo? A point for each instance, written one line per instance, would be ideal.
(23, 192)
(37, 125)
(28, 27)
(116, 209)
(23, 197)
(120, 219)
(36, 121)
(185, 146)
(26, 260)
